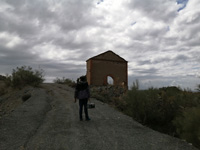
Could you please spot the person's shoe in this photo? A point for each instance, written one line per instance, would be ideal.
(87, 119)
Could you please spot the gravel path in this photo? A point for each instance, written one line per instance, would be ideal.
(49, 121)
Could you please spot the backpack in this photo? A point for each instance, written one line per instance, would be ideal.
(83, 94)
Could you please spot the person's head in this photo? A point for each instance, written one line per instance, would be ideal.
(83, 78)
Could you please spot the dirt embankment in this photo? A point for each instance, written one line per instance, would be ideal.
(49, 120)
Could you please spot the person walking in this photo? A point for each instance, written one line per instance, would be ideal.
(82, 92)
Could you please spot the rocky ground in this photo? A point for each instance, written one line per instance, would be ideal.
(47, 119)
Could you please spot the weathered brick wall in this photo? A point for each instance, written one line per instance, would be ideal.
(99, 70)
(104, 65)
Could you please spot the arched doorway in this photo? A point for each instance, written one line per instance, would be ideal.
(110, 80)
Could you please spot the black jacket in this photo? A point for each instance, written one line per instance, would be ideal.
(82, 90)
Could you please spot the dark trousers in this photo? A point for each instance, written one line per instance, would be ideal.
(83, 103)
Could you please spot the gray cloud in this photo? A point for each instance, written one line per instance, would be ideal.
(160, 42)
(142, 72)
(181, 57)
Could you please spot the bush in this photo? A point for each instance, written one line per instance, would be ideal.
(157, 108)
(2, 85)
(2, 78)
(169, 110)
(98, 97)
(198, 88)
(22, 76)
(2, 91)
(108, 94)
(67, 81)
(145, 106)
(188, 125)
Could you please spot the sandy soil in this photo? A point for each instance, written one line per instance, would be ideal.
(49, 121)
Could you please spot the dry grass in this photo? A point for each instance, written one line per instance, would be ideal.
(10, 98)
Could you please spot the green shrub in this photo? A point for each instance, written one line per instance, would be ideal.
(59, 81)
(98, 97)
(22, 76)
(2, 78)
(119, 103)
(101, 93)
(2, 85)
(108, 94)
(188, 125)
(2, 91)
(145, 106)
(67, 81)
(157, 108)
(198, 88)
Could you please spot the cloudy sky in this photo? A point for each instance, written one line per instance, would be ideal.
(159, 38)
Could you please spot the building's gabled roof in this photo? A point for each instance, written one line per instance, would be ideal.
(109, 56)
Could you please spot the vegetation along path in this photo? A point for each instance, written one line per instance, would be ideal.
(49, 120)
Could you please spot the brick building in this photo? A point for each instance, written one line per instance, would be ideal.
(107, 64)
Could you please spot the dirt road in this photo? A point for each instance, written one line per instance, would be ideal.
(49, 121)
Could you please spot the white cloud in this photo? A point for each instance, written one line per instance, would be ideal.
(10, 40)
(160, 41)
(157, 10)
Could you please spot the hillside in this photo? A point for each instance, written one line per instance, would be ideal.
(48, 120)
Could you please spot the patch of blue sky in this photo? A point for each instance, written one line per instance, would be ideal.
(168, 28)
(196, 68)
(132, 24)
(100, 1)
(183, 2)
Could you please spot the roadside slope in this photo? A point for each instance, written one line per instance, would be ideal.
(49, 120)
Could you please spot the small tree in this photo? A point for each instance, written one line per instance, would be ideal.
(188, 125)
(22, 76)
(64, 80)
(2, 78)
(135, 85)
(198, 88)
